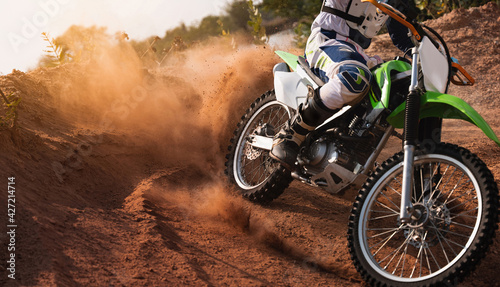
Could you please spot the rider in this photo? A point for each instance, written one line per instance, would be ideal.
(335, 54)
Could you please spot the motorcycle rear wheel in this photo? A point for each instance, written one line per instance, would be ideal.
(457, 202)
(258, 177)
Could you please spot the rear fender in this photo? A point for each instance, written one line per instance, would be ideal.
(291, 87)
(290, 59)
(434, 104)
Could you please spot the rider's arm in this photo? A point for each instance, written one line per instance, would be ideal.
(399, 35)
(397, 31)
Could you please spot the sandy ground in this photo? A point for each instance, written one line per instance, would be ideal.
(119, 171)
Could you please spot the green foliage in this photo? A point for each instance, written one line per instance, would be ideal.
(301, 11)
(237, 14)
(223, 31)
(56, 55)
(302, 32)
(295, 9)
(234, 20)
(9, 107)
(209, 26)
(76, 44)
(255, 22)
(435, 8)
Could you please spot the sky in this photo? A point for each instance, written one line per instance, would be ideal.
(23, 21)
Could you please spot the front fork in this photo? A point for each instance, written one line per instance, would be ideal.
(412, 115)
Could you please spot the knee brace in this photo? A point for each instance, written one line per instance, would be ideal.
(355, 81)
(347, 86)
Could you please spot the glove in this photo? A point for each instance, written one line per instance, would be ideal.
(373, 61)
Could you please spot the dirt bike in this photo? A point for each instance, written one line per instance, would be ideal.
(424, 217)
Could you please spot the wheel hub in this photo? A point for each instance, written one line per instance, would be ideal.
(419, 216)
(416, 232)
(425, 219)
(266, 130)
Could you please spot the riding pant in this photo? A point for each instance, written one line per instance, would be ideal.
(342, 65)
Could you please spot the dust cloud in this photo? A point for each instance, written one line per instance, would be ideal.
(182, 112)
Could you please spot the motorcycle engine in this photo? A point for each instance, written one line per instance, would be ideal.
(347, 146)
(323, 152)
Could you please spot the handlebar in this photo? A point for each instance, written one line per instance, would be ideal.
(456, 79)
(458, 75)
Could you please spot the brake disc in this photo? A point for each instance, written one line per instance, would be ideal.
(252, 153)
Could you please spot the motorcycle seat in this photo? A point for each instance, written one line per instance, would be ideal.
(305, 66)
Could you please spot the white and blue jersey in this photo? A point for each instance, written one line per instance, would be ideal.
(340, 61)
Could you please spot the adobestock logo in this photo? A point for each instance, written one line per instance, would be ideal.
(32, 27)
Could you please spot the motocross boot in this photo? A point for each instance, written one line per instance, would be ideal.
(287, 142)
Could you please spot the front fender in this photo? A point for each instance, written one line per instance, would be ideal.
(433, 104)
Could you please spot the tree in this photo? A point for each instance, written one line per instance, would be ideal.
(296, 9)
(237, 13)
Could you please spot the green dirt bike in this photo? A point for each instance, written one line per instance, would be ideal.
(424, 217)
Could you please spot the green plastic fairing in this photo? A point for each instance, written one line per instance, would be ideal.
(383, 76)
(433, 104)
(290, 59)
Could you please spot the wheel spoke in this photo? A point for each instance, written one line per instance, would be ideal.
(386, 241)
(440, 235)
(397, 207)
(270, 114)
(463, 203)
(387, 207)
(393, 189)
(395, 252)
(463, 214)
(422, 188)
(432, 175)
(384, 212)
(253, 172)
(449, 178)
(450, 232)
(434, 258)
(456, 223)
(427, 260)
(442, 175)
(279, 117)
(382, 233)
(404, 259)
(259, 166)
(455, 188)
(418, 256)
(384, 216)
(428, 186)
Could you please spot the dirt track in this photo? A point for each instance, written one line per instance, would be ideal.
(119, 172)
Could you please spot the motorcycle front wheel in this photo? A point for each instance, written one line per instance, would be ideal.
(258, 177)
(455, 203)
